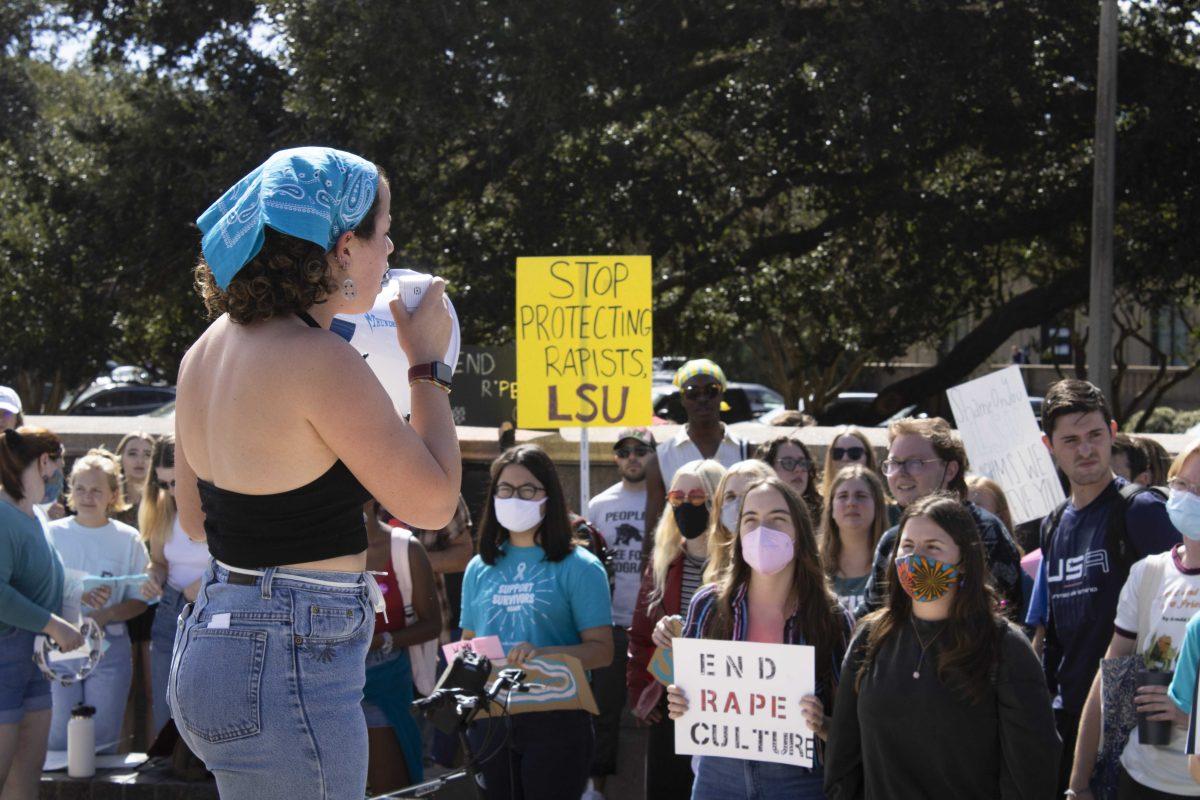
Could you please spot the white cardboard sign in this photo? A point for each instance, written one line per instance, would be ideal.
(1004, 442)
(744, 700)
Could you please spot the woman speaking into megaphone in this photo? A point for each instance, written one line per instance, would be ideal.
(282, 432)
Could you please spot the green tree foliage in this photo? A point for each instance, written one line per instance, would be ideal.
(831, 182)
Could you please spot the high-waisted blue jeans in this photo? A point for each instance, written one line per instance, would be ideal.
(266, 683)
(162, 640)
(106, 689)
(719, 778)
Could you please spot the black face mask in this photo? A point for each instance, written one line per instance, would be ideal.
(691, 520)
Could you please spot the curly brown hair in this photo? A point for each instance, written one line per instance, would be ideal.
(287, 276)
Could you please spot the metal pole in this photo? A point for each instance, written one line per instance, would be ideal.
(585, 478)
(1100, 299)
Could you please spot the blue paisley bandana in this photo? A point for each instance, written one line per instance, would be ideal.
(312, 193)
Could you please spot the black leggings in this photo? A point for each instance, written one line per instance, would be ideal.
(546, 757)
(1129, 789)
(668, 776)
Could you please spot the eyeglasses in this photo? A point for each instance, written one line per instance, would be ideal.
(166, 484)
(526, 491)
(1180, 485)
(847, 453)
(913, 466)
(709, 391)
(626, 452)
(789, 464)
(696, 497)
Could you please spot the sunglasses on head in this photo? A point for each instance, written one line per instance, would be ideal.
(709, 391)
(848, 453)
(696, 497)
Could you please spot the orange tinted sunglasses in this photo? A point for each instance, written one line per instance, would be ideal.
(696, 497)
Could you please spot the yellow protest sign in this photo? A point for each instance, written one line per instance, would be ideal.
(584, 339)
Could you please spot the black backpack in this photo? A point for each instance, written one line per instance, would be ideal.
(1116, 537)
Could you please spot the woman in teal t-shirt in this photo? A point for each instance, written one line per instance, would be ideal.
(540, 594)
(31, 598)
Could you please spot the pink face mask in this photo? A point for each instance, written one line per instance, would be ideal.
(767, 550)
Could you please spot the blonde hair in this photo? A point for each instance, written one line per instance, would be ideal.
(668, 541)
(134, 436)
(110, 465)
(976, 482)
(156, 514)
(829, 536)
(1184, 454)
(720, 538)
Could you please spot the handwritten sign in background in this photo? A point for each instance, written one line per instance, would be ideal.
(744, 700)
(1004, 442)
(584, 332)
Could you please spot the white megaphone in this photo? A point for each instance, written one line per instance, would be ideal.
(374, 335)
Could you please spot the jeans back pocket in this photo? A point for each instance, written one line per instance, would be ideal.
(218, 682)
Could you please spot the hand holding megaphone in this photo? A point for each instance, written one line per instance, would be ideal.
(412, 323)
(423, 322)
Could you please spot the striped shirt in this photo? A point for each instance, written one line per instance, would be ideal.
(693, 579)
(706, 602)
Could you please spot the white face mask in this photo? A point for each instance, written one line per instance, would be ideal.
(515, 514)
(729, 515)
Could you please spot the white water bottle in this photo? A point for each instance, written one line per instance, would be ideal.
(81, 742)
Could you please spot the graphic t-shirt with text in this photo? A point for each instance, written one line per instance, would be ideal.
(1083, 581)
(620, 516)
(525, 598)
(1174, 600)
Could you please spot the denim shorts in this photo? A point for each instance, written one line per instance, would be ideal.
(23, 687)
(266, 682)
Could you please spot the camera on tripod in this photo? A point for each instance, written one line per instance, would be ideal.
(464, 691)
(463, 694)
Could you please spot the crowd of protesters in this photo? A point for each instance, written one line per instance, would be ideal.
(770, 548)
(321, 552)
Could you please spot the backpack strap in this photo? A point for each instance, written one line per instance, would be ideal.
(1116, 536)
(1050, 525)
(400, 539)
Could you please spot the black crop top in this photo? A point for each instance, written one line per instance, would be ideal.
(322, 519)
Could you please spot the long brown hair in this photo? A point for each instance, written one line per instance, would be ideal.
(830, 535)
(817, 607)
(829, 473)
(20, 447)
(974, 628)
(769, 452)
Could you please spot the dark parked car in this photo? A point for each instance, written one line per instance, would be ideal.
(121, 400)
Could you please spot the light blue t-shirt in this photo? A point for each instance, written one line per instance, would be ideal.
(1038, 612)
(525, 598)
(1183, 684)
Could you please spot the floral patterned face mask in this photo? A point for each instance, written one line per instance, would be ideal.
(925, 579)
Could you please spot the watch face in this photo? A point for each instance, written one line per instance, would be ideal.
(443, 373)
